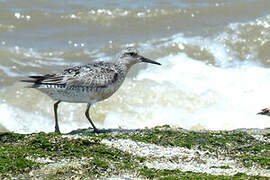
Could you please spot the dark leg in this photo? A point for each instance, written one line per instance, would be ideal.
(89, 119)
(55, 116)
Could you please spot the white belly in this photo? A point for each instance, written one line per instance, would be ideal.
(79, 94)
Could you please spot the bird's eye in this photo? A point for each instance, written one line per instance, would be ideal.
(132, 54)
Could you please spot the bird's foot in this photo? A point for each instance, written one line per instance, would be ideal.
(97, 130)
(57, 130)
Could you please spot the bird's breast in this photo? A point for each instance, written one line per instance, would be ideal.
(101, 93)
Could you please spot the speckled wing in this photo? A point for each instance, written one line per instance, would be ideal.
(91, 75)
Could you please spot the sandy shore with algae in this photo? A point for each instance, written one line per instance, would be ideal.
(161, 152)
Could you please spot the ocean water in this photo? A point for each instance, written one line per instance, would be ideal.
(215, 57)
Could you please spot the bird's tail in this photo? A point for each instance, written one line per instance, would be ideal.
(35, 80)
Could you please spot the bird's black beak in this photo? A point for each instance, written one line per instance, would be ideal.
(143, 59)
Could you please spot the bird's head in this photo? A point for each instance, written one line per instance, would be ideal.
(130, 56)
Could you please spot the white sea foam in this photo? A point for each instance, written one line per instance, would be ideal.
(17, 120)
(184, 91)
(192, 94)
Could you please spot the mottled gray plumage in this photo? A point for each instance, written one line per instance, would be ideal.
(89, 83)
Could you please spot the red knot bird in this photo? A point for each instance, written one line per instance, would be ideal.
(265, 111)
(89, 84)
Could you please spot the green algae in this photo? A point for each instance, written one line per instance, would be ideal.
(94, 159)
(15, 149)
(14, 160)
(227, 143)
(12, 157)
(177, 174)
(188, 139)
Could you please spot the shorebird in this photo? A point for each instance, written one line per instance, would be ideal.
(265, 111)
(89, 84)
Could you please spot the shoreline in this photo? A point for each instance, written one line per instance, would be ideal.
(160, 152)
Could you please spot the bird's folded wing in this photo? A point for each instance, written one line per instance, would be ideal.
(88, 76)
(97, 77)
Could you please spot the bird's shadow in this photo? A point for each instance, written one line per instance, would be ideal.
(88, 131)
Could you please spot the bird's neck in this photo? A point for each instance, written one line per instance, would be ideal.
(127, 64)
(124, 67)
